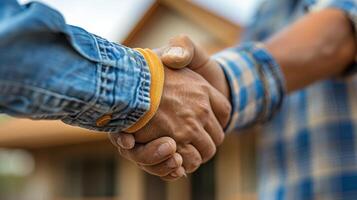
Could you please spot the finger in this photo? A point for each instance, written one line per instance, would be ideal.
(151, 153)
(151, 131)
(165, 168)
(113, 138)
(125, 140)
(180, 172)
(215, 130)
(191, 157)
(203, 143)
(179, 52)
(221, 107)
(182, 52)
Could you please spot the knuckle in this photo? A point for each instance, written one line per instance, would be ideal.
(188, 131)
(183, 136)
(203, 111)
(192, 125)
(160, 153)
(171, 166)
(220, 138)
(227, 111)
(178, 159)
(184, 37)
(208, 154)
(193, 164)
(186, 113)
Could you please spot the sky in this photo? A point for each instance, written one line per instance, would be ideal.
(114, 19)
(237, 11)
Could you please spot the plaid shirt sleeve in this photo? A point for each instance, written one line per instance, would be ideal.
(256, 84)
(348, 6)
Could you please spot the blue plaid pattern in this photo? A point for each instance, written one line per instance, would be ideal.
(308, 148)
(257, 92)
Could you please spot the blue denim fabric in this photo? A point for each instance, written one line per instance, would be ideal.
(51, 70)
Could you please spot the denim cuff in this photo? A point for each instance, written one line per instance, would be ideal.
(122, 96)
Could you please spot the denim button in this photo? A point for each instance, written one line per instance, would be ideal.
(104, 120)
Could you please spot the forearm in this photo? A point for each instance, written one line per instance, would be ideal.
(318, 46)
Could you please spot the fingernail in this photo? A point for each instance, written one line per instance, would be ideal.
(184, 174)
(172, 163)
(125, 143)
(174, 174)
(164, 150)
(175, 51)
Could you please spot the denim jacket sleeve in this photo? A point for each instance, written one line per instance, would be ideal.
(51, 70)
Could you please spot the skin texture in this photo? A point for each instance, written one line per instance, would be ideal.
(192, 113)
(311, 45)
(321, 45)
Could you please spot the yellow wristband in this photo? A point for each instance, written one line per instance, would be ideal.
(156, 87)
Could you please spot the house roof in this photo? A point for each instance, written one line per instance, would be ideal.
(223, 28)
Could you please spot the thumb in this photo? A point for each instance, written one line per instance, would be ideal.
(182, 52)
(176, 57)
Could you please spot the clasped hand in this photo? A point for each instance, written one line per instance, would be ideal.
(188, 125)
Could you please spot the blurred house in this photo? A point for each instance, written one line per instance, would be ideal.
(66, 163)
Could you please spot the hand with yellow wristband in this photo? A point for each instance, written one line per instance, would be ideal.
(185, 122)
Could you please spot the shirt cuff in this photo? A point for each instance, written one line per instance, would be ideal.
(256, 83)
(157, 83)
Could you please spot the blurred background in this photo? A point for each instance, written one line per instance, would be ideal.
(46, 160)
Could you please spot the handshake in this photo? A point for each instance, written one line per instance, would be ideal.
(189, 123)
